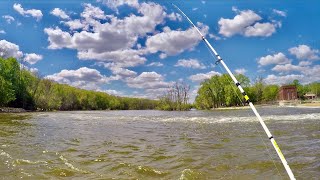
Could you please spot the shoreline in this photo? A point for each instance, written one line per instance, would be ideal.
(304, 105)
(12, 110)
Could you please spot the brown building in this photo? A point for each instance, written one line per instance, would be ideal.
(288, 93)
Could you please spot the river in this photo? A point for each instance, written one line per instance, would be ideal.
(228, 144)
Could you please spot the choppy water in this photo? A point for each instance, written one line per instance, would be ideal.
(159, 145)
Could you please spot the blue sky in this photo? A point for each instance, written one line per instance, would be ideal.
(139, 48)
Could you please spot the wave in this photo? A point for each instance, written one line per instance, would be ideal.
(231, 119)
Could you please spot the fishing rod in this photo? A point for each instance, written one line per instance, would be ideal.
(246, 97)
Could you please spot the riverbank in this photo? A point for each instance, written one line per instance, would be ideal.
(11, 110)
(306, 105)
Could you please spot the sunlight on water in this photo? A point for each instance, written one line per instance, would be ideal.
(159, 145)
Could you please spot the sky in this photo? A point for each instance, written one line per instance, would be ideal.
(140, 48)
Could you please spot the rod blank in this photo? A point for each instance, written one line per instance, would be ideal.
(264, 126)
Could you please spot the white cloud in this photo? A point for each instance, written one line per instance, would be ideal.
(215, 37)
(114, 4)
(230, 27)
(75, 24)
(190, 63)
(124, 73)
(280, 13)
(203, 76)
(121, 58)
(2, 32)
(84, 77)
(32, 58)
(203, 2)
(279, 58)
(9, 19)
(173, 42)
(113, 92)
(260, 29)
(245, 23)
(58, 39)
(148, 80)
(157, 64)
(194, 9)
(59, 13)
(288, 68)
(240, 71)
(304, 52)
(174, 17)
(8, 49)
(31, 12)
(305, 63)
(112, 41)
(92, 13)
(276, 79)
(163, 55)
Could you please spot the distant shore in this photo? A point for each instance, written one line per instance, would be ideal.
(304, 105)
(11, 110)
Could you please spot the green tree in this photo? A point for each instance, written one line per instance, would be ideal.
(270, 93)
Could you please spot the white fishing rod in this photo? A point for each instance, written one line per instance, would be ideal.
(219, 60)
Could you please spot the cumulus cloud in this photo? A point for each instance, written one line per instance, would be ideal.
(114, 4)
(83, 77)
(173, 42)
(112, 41)
(31, 12)
(8, 49)
(115, 41)
(276, 79)
(112, 92)
(32, 58)
(260, 29)
(304, 52)
(278, 58)
(59, 13)
(124, 73)
(190, 63)
(305, 74)
(148, 80)
(240, 71)
(174, 17)
(288, 68)
(121, 58)
(2, 32)
(246, 23)
(305, 63)
(9, 19)
(74, 24)
(203, 76)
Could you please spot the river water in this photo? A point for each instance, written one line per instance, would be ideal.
(228, 144)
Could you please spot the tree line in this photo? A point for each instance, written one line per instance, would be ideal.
(220, 91)
(176, 98)
(20, 88)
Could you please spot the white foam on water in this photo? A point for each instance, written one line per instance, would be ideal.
(231, 119)
(3, 153)
(65, 161)
(21, 161)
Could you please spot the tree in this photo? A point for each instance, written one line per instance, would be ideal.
(176, 97)
(270, 93)
(7, 92)
(302, 90)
